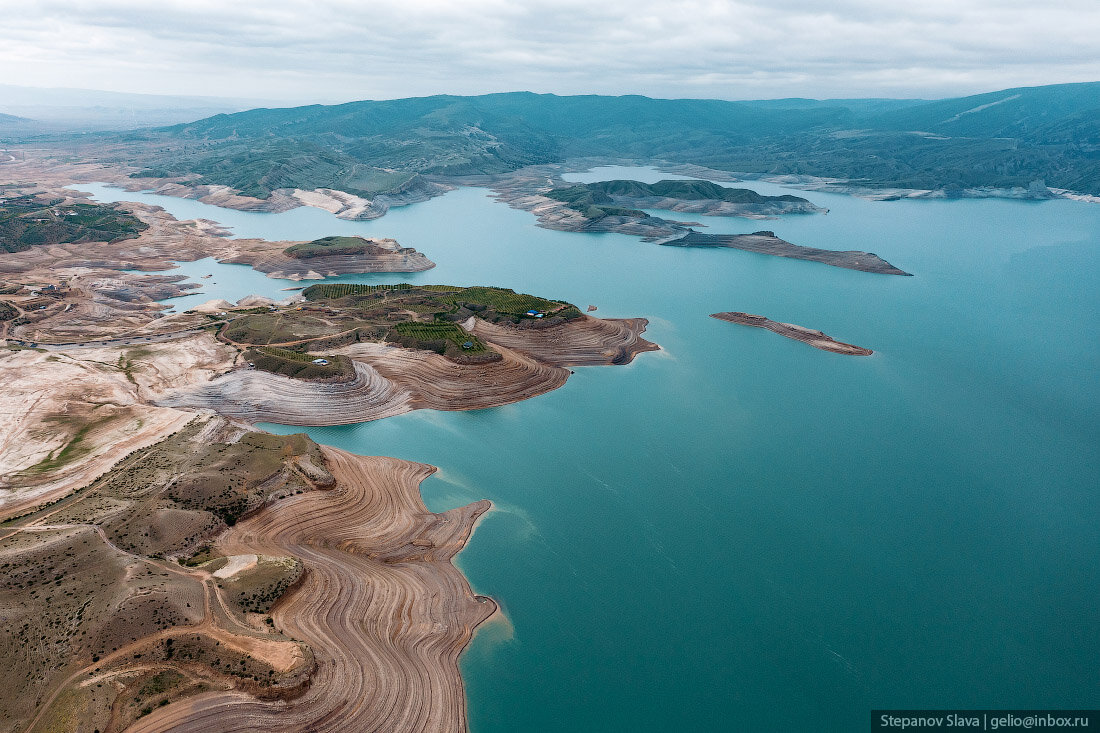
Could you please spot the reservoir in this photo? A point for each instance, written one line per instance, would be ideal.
(741, 532)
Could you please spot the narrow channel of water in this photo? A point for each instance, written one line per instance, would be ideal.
(741, 532)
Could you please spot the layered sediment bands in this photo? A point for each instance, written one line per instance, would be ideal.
(390, 380)
(817, 339)
(766, 243)
(434, 382)
(259, 396)
(585, 341)
(383, 609)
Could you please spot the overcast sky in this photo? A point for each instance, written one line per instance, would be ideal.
(340, 50)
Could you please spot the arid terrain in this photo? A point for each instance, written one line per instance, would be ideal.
(166, 566)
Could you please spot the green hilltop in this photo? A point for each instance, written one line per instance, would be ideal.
(26, 221)
(1000, 139)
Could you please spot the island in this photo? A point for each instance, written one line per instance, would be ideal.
(766, 243)
(333, 256)
(816, 339)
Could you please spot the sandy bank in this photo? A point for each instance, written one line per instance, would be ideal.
(817, 339)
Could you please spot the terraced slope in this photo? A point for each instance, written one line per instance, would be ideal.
(382, 607)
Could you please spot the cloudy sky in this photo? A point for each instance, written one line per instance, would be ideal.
(338, 50)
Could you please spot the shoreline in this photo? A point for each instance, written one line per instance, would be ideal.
(407, 626)
(113, 344)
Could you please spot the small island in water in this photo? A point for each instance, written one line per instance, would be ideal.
(816, 339)
(766, 243)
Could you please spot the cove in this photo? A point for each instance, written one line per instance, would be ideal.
(741, 532)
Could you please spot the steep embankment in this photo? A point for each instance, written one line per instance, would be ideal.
(383, 609)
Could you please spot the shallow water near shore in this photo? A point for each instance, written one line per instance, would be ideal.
(741, 532)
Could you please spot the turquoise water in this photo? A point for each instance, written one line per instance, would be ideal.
(741, 532)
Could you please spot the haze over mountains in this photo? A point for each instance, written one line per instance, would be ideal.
(1000, 139)
(60, 109)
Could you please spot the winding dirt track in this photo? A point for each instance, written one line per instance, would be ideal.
(382, 607)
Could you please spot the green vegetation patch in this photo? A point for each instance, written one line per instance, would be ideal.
(687, 191)
(300, 365)
(332, 246)
(7, 311)
(447, 339)
(592, 203)
(604, 198)
(77, 445)
(450, 298)
(416, 316)
(273, 327)
(30, 220)
(335, 291)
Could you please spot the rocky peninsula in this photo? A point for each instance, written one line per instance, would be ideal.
(766, 243)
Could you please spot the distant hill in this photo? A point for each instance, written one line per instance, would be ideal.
(1024, 113)
(11, 125)
(1000, 139)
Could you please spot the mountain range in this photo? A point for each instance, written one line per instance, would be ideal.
(1008, 138)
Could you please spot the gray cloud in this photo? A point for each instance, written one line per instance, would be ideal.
(343, 49)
